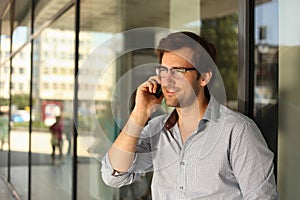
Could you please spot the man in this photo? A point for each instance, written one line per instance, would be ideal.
(202, 150)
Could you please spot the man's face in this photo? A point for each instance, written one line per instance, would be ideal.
(180, 92)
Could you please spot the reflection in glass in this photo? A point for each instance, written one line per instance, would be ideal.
(108, 100)
(266, 73)
(53, 81)
(5, 39)
(19, 136)
(53, 84)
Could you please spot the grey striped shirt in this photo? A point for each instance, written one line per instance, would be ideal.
(226, 158)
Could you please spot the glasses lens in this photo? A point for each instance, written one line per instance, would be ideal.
(177, 73)
(161, 71)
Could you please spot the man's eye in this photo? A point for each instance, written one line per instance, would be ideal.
(179, 71)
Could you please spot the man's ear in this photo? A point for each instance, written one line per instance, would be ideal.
(205, 78)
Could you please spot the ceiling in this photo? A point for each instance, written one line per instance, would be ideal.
(112, 15)
(118, 15)
(3, 5)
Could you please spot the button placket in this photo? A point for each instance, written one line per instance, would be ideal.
(182, 175)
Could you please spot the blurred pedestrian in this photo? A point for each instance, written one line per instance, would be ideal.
(3, 129)
(68, 130)
(57, 137)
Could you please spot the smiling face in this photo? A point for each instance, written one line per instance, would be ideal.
(180, 92)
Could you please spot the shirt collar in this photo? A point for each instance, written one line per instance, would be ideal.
(211, 114)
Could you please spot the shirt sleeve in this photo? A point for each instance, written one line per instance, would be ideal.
(112, 180)
(141, 164)
(252, 163)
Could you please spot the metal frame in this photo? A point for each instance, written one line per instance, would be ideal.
(246, 57)
(75, 104)
(12, 14)
(30, 98)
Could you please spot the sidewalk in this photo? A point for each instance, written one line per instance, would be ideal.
(54, 177)
(5, 192)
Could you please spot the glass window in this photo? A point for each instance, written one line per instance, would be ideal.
(21, 33)
(107, 69)
(105, 84)
(22, 19)
(5, 38)
(19, 135)
(266, 72)
(53, 103)
(54, 70)
(222, 31)
(45, 11)
(21, 70)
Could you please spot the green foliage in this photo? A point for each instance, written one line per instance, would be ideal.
(223, 33)
(4, 102)
(20, 100)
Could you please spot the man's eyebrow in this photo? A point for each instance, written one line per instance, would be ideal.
(182, 67)
(177, 67)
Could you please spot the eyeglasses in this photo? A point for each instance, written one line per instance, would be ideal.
(176, 72)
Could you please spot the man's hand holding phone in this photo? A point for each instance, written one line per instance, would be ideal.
(149, 95)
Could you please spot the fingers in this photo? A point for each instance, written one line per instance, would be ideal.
(152, 84)
(145, 97)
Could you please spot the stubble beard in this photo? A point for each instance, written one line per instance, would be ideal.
(182, 100)
(172, 102)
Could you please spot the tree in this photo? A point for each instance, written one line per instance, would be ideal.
(4, 102)
(223, 32)
(20, 100)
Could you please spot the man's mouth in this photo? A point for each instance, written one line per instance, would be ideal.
(171, 90)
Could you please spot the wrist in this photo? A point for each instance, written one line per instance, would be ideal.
(139, 118)
(133, 128)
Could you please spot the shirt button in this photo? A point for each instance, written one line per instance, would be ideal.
(182, 163)
(181, 188)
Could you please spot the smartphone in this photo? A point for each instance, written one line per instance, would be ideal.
(158, 92)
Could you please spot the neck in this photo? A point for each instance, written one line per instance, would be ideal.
(195, 110)
(189, 116)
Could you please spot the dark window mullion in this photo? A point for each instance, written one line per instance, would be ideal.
(246, 58)
(75, 101)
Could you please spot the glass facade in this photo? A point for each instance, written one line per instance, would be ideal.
(38, 76)
(5, 41)
(265, 110)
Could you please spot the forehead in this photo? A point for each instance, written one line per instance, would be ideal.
(180, 57)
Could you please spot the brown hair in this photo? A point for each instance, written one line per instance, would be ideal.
(200, 46)
(178, 40)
